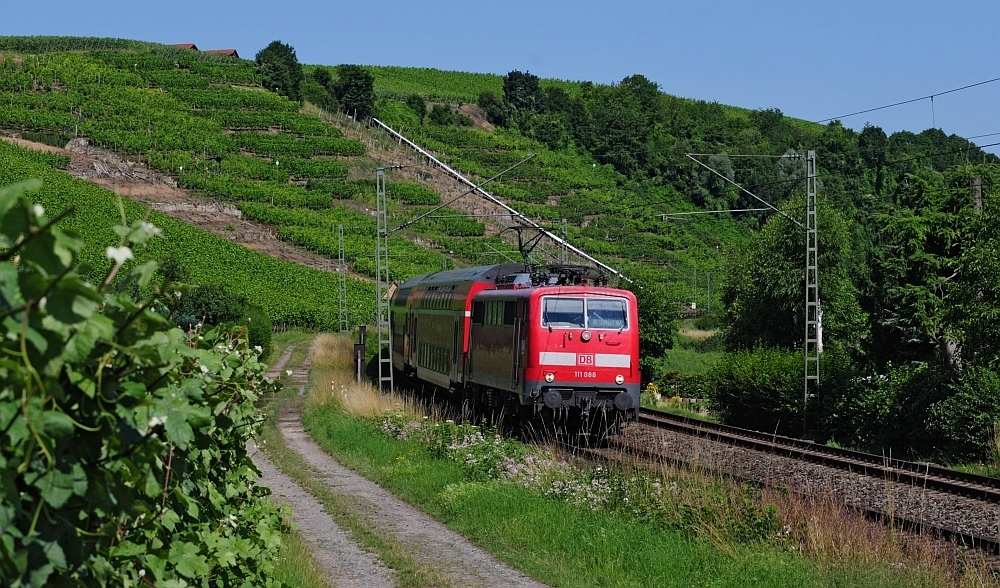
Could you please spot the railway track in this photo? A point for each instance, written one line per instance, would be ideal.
(925, 475)
(920, 497)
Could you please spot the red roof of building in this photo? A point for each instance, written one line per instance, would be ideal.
(185, 46)
(229, 52)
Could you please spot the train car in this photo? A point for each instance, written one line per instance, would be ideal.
(555, 346)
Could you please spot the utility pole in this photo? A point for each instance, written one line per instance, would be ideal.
(564, 252)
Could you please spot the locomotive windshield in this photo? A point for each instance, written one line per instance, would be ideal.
(584, 313)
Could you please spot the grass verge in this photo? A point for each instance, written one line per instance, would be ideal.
(296, 567)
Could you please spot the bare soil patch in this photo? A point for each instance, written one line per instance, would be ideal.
(135, 181)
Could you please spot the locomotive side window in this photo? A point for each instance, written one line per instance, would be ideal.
(606, 314)
(509, 310)
(565, 313)
(478, 312)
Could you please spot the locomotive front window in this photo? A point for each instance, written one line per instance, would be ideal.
(563, 313)
(580, 313)
(606, 314)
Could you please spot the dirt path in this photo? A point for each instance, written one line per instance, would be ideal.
(426, 540)
(347, 565)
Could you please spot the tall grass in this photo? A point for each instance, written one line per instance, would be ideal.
(296, 567)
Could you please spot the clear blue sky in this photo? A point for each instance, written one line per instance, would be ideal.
(811, 59)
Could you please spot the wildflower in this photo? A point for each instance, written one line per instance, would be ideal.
(38, 209)
(150, 228)
(119, 254)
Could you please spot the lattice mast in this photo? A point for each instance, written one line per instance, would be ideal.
(382, 288)
(813, 326)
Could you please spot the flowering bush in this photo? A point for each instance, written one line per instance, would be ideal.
(123, 458)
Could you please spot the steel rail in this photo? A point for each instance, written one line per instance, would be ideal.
(925, 475)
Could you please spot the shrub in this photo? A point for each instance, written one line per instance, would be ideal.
(962, 421)
(259, 329)
(124, 456)
(442, 114)
(214, 304)
(759, 390)
(418, 105)
(396, 114)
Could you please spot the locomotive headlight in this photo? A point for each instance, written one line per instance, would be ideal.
(550, 377)
(619, 379)
(585, 335)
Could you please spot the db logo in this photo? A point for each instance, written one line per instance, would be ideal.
(584, 359)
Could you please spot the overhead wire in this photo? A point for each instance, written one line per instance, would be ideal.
(929, 96)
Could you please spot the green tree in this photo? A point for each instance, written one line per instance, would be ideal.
(765, 285)
(521, 91)
(617, 128)
(496, 110)
(974, 301)
(657, 315)
(915, 266)
(355, 90)
(280, 69)
(872, 145)
(317, 88)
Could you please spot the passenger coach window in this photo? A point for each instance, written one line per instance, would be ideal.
(606, 314)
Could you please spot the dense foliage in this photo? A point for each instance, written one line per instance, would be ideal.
(123, 459)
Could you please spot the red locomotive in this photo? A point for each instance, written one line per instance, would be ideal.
(557, 345)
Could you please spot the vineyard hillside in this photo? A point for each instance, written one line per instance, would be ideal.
(204, 121)
(607, 166)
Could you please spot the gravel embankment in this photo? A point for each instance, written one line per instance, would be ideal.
(911, 502)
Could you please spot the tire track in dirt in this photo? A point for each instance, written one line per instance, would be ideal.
(426, 540)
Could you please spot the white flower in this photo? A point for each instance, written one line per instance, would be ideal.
(119, 254)
(204, 369)
(288, 372)
(38, 210)
(151, 228)
(258, 348)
